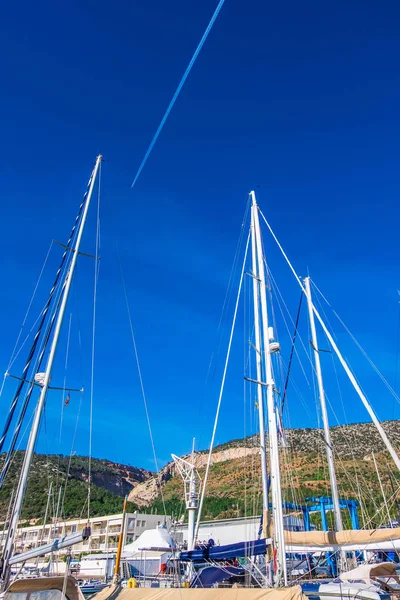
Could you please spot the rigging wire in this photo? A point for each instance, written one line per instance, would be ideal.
(397, 352)
(382, 489)
(363, 352)
(24, 342)
(14, 352)
(64, 261)
(65, 378)
(96, 278)
(345, 366)
(339, 459)
(353, 445)
(41, 344)
(281, 251)
(221, 324)
(252, 443)
(321, 442)
(135, 350)
(178, 90)
(228, 291)
(79, 331)
(245, 350)
(24, 408)
(291, 355)
(62, 402)
(282, 300)
(203, 491)
(72, 453)
(346, 434)
(391, 499)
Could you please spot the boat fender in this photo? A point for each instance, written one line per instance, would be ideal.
(132, 583)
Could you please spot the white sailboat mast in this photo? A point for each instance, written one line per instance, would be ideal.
(327, 433)
(276, 491)
(260, 395)
(8, 549)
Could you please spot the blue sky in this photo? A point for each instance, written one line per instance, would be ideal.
(301, 100)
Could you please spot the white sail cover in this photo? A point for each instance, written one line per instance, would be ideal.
(292, 593)
(152, 539)
(366, 572)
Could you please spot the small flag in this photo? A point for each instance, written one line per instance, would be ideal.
(67, 399)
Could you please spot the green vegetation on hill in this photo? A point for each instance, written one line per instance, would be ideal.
(234, 486)
(72, 478)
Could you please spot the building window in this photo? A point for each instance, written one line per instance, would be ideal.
(73, 528)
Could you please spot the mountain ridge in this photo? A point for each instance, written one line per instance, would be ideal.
(235, 472)
(234, 477)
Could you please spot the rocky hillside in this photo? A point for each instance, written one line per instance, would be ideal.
(350, 441)
(234, 483)
(234, 486)
(146, 493)
(113, 477)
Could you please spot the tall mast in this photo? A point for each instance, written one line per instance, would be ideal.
(276, 491)
(327, 433)
(260, 394)
(19, 498)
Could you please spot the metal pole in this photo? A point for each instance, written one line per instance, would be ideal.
(260, 393)
(120, 541)
(363, 398)
(324, 521)
(279, 534)
(193, 500)
(7, 519)
(40, 405)
(46, 513)
(327, 433)
(191, 482)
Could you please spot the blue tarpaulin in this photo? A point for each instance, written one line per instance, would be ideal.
(207, 576)
(225, 552)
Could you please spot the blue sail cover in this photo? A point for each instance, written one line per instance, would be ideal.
(207, 576)
(227, 552)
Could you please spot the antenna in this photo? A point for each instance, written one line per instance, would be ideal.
(192, 485)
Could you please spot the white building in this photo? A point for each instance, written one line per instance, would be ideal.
(232, 531)
(104, 537)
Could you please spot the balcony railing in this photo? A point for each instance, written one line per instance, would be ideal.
(101, 531)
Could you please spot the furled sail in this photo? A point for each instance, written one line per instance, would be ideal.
(347, 539)
(341, 538)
